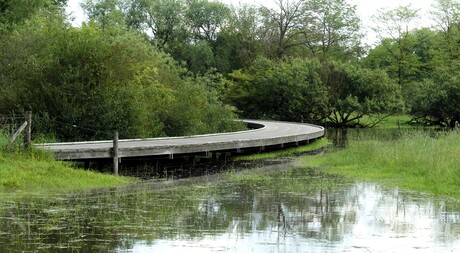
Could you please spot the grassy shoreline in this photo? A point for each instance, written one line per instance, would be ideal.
(38, 172)
(316, 145)
(416, 161)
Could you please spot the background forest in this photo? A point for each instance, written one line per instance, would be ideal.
(179, 67)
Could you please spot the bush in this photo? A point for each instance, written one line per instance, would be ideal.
(290, 90)
(85, 83)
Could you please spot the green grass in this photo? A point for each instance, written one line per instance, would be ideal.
(37, 172)
(416, 162)
(318, 144)
(395, 121)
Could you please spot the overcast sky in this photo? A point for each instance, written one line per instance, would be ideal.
(365, 9)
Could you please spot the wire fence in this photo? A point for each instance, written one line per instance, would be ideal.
(46, 129)
(9, 124)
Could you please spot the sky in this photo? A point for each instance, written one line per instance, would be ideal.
(365, 10)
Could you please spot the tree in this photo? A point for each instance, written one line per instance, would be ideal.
(287, 90)
(282, 26)
(206, 18)
(436, 100)
(402, 66)
(15, 12)
(164, 19)
(105, 12)
(393, 27)
(446, 13)
(355, 92)
(331, 29)
(84, 83)
(237, 45)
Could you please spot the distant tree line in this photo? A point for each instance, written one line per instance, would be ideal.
(177, 67)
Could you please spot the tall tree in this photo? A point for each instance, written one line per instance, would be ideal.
(206, 18)
(395, 24)
(285, 90)
(13, 12)
(355, 92)
(238, 44)
(282, 25)
(320, 27)
(163, 19)
(331, 28)
(446, 13)
(106, 12)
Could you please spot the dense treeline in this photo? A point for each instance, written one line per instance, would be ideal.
(84, 83)
(177, 67)
(424, 61)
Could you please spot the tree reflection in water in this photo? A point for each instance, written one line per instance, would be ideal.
(296, 210)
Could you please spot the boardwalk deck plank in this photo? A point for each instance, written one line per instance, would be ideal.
(271, 133)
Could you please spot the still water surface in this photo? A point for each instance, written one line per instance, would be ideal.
(294, 210)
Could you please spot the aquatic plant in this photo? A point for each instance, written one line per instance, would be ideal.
(420, 161)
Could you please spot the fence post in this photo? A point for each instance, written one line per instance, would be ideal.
(28, 129)
(115, 153)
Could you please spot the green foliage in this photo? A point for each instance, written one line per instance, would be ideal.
(412, 58)
(414, 161)
(313, 28)
(84, 83)
(163, 19)
(206, 18)
(16, 12)
(106, 13)
(331, 29)
(446, 14)
(436, 101)
(299, 90)
(237, 45)
(35, 172)
(423, 61)
(355, 92)
(288, 90)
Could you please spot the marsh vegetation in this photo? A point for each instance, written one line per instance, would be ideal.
(280, 208)
(419, 160)
(165, 68)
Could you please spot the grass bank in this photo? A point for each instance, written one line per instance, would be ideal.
(38, 172)
(416, 161)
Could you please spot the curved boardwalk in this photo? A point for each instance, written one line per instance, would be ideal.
(266, 133)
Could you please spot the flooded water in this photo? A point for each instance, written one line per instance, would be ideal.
(294, 210)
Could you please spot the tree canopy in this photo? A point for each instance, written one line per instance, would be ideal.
(174, 67)
(84, 83)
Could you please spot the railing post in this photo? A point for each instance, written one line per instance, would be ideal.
(115, 153)
(28, 129)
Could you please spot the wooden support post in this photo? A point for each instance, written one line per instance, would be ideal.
(28, 129)
(115, 154)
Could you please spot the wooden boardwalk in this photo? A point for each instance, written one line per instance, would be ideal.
(264, 134)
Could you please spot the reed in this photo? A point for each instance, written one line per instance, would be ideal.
(418, 161)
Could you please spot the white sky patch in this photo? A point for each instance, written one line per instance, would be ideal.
(75, 11)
